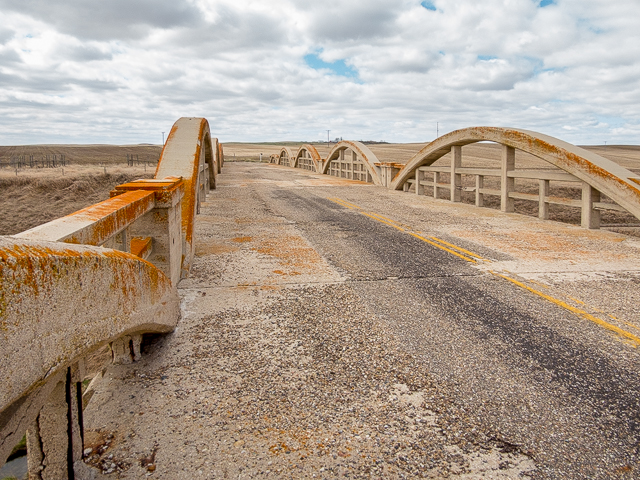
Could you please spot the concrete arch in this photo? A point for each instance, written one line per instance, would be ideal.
(184, 155)
(368, 158)
(219, 155)
(286, 157)
(210, 158)
(58, 303)
(618, 183)
(313, 154)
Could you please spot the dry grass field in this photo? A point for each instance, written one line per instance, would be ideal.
(84, 154)
(32, 196)
(36, 196)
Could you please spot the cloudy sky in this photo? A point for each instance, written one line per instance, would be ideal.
(122, 71)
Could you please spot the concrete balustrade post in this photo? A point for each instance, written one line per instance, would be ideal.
(436, 180)
(456, 178)
(163, 223)
(419, 186)
(507, 183)
(590, 216)
(543, 204)
(126, 349)
(353, 158)
(387, 172)
(479, 194)
(125, 238)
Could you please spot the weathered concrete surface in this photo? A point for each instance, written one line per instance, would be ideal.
(112, 294)
(620, 184)
(328, 329)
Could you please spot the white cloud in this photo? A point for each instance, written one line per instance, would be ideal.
(124, 71)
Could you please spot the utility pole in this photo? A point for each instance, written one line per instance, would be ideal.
(328, 141)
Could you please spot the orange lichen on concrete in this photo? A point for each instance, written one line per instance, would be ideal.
(213, 249)
(63, 301)
(95, 224)
(241, 239)
(293, 252)
(140, 246)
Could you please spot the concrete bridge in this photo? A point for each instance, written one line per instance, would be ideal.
(567, 163)
(327, 324)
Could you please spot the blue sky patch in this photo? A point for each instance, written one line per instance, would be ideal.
(487, 57)
(428, 5)
(338, 67)
(546, 3)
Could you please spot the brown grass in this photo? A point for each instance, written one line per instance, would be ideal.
(84, 154)
(37, 196)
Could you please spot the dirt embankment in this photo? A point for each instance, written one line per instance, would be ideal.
(29, 200)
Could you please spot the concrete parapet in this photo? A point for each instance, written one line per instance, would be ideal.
(187, 150)
(60, 301)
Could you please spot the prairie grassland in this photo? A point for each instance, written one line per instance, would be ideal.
(39, 195)
(84, 154)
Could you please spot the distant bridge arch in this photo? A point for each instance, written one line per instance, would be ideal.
(364, 167)
(599, 173)
(308, 158)
(286, 157)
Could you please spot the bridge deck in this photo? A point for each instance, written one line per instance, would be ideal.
(334, 327)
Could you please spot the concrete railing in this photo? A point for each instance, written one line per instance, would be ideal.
(60, 301)
(595, 175)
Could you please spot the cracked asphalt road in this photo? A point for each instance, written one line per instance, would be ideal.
(333, 328)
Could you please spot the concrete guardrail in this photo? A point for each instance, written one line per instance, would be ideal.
(106, 274)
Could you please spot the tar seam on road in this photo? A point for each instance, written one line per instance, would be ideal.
(474, 258)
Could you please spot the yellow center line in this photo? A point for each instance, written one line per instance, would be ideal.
(382, 221)
(468, 259)
(460, 249)
(577, 311)
(471, 257)
(345, 203)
